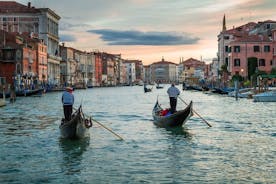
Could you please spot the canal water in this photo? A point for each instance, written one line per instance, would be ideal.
(240, 147)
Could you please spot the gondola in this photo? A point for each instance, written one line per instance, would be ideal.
(159, 87)
(77, 127)
(29, 92)
(147, 90)
(174, 120)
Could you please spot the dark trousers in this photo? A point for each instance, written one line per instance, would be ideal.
(67, 109)
(173, 102)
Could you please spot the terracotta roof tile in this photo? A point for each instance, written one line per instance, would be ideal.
(14, 7)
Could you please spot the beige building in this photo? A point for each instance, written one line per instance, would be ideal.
(164, 72)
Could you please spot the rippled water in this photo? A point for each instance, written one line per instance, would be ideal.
(239, 148)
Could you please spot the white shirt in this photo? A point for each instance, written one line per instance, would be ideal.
(173, 91)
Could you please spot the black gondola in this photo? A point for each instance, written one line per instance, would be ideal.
(77, 127)
(174, 120)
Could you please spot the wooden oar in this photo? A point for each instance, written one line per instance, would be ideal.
(104, 127)
(196, 113)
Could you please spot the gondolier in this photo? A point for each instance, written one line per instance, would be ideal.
(173, 93)
(68, 101)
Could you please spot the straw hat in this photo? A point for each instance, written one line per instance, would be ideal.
(69, 89)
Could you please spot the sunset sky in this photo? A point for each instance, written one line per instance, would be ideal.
(151, 29)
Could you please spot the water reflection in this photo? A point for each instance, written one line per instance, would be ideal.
(180, 132)
(72, 151)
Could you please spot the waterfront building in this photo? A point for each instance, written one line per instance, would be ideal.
(48, 31)
(274, 48)
(246, 49)
(122, 72)
(68, 66)
(15, 17)
(22, 59)
(98, 69)
(193, 70)
(147, 74)
(164, 72)
(90, 68)
(131, 72)
(138, 70)
(81, 69)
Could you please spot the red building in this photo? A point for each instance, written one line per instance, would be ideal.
(19, 57)
(98, 68)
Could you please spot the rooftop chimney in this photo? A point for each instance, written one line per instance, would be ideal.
(29, 4)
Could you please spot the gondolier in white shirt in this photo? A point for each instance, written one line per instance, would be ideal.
(68, 102)
(173, 93)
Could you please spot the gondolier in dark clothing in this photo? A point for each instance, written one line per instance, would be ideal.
(68, 101)
(173, 93)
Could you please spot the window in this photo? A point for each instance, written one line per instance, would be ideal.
(226, 37)
(256, 48)
(226, 61)
(237, 62)
(226, 48)
(237, 49)
(266, 48)
(261, 62)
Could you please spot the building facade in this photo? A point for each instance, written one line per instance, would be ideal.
(164, 72)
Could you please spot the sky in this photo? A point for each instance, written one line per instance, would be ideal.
(150, 30)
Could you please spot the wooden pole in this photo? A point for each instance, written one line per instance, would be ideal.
(104, 127)
(197, 113)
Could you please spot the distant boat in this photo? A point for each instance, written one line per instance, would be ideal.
(29, 92)
(242, 93)
(219, 91)
(159, 87)
(77, 127)
(269, 96)
(176, 119)
(147, 90)
(3, 101)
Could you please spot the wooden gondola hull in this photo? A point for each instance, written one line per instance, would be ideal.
(75, 128)
(175, 120)
(147, 90)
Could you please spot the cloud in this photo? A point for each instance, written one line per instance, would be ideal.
(114, 37)
(67, 38)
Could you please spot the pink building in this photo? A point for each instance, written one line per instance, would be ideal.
(250, 52)
(247, 48)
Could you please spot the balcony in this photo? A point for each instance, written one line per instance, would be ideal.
(54, 57)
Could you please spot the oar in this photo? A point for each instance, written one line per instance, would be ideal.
(105, 127)
(196, 113)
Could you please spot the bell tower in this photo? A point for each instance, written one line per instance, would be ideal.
(224, 24)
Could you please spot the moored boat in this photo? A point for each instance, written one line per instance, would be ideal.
(269, 96)
(3, 101)
(77, 127)
(176, 119)
(147, 89)
(29, 92)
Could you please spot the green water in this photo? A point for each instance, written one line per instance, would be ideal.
(239, 148)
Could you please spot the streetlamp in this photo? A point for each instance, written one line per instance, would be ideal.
(242, 74)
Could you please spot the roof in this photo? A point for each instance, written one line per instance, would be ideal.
(193, 62)
(14, 7)
(241, 29)
(253, 38)
(163, 62)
